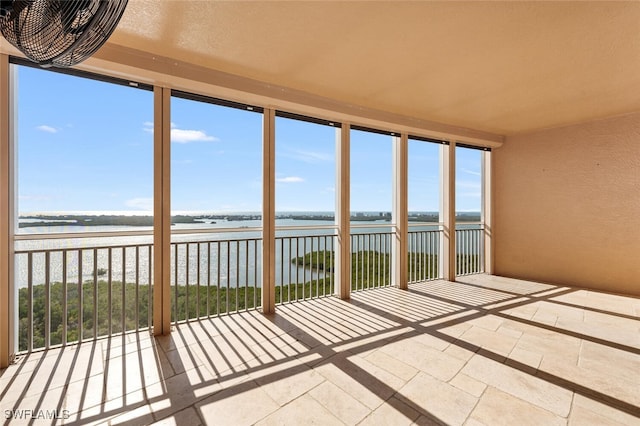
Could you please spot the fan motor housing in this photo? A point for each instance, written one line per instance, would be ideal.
(59, 33)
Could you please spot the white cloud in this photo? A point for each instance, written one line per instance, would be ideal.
(312, 156)
(48, 129)
(140, 203)
(183, 135)
(186, 136)
(471, 172)
(290, 179)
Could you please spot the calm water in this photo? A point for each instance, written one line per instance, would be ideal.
(224, 258)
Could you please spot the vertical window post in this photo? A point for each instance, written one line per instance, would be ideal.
(7, 292)
(342, 255)
(162, 212)
(487, 210)
(268, 213)
(447, 263)
(400, 214)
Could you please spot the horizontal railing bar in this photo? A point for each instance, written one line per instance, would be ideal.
(284, 237)
(371, 225)
(215, 241)
(304, 227)
(80, 235)
(189, 231)
(71, 249)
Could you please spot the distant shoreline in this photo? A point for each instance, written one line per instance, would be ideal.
(85, 220)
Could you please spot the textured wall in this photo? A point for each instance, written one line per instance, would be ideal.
(567, 205)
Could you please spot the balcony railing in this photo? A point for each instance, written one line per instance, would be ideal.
(371, 257)
(59, 302)
(470, 249)
(304, 267)
(423, 259)
(214, 277)
(68, 295)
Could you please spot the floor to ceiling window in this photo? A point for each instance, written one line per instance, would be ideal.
(372, 180)
(305, 206)
(84, 194)
(469, 205)
(424, 193)
(216, 203)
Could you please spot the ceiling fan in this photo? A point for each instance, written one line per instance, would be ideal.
(59, 33)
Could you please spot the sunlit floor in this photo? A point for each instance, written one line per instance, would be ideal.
(485, 350)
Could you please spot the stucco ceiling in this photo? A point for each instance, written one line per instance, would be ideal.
(500, 67)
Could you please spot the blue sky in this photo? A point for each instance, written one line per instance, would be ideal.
(88, 146)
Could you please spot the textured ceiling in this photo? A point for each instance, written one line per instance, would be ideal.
(501, 67)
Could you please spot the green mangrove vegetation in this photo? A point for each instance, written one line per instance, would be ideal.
(111, 308)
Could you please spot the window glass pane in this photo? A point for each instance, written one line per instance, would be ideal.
(84, 147)
(216, 165)
(468, 184)
(305, 172)
(423, 181)
(371, 177)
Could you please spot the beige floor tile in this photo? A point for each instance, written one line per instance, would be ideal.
(244, 404)
(521, 385)
(500, 408)
(581, 416)
(286, 385)
(366, 389)
(392, 412)
(546, 342)
(187, 417)
(437, 399)
(519, 356)
(461, 350)
(609, 360)
(595, 382)
(131, 417)
(342, 405)
(336, 362)
(392, 365)
(585, 408)
(468, 384)
(488, 322)
(303, 411)
(496, 343)
(424, 358)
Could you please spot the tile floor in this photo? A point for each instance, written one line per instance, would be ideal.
(482, 351)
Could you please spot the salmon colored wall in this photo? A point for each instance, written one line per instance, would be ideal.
(567, 205)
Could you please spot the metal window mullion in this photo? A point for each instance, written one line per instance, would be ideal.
(237, 273)
(47, 300)
(30, 301)
(123, 289)
(198, 281)
(109, 291)
(137, 287)
(175, 281)
(80, 296)
(186, 284)
(208, 278)
(255, 274)
(149, 289)
(228, 275)
(65, 312)
(217, 277)
(95, 294)
(246, 275)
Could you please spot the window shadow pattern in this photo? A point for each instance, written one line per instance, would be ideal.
(437, 353)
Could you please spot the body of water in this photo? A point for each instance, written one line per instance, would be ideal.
(225, 258)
